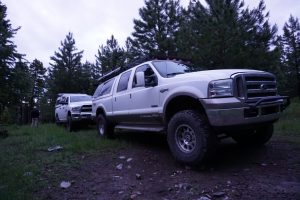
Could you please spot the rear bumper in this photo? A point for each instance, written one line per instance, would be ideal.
(224, 112)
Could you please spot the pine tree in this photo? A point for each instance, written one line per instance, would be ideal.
(8, 57)
(291, 40)
(20, 83)
(65, 64)
(110, 56)
(37, 75)
(155, 33)
(223, 34)
(86, 78)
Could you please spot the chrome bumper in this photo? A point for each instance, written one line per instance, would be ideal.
(224, 112)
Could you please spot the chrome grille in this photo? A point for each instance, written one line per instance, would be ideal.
(86, 108)
(254, 86)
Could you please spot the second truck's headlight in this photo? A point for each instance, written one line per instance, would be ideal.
(76, 109)
(220, 88)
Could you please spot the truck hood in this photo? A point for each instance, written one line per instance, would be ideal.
(214, 74)
(80, 103)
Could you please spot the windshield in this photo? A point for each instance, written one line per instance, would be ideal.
(170, 68)
(80, 98)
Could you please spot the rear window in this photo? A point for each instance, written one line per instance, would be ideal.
(123, 82)
(106, 88)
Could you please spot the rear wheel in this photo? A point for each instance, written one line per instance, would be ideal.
(190, 137)
(104, 128)
(257, 137)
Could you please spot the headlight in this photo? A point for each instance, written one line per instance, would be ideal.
(220, 88)
(76, 109)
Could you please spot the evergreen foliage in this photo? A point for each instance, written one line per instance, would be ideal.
(65, 69)
(291, 45)
(155, 33)
(211, 35)
(37, 75)
(224, 34)
(8, 58)
(110, 56)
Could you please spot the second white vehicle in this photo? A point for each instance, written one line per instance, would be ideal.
(73, 109)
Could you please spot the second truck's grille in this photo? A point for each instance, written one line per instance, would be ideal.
(86, 108)
(254, 86)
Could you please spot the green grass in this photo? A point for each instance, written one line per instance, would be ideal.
(289, 124)
(24, 159)
(24, 152)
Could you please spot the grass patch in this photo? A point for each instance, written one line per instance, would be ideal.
(289, 124)
(24, 158)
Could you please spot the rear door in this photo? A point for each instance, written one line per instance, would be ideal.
(121, 98)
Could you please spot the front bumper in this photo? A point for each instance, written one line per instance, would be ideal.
(81, 116)
(224, 112)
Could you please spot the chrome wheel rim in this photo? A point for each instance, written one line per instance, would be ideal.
(185, 138)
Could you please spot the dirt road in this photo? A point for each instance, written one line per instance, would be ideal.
(146, 170)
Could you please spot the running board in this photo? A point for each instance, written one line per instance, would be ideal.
(141, 128)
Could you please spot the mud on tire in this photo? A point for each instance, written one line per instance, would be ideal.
(190, 137)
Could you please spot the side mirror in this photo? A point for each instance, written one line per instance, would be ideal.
(140, 79)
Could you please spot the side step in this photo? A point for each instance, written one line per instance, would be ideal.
(141, 128)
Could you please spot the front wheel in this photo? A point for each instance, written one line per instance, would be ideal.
(70, 124)
(190, 137)
(256, 137)
(57, 121)
(104, 129)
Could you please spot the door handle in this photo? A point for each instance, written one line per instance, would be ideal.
(130, 96)
(164, 90)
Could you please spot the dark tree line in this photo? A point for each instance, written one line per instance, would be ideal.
(218, 34)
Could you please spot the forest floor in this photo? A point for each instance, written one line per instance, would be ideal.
(140, 166)
(146, 170)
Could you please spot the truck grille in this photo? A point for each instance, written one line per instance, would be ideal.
(251, 87)
(86, 108)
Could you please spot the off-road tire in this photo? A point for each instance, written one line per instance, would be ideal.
(104, 128)
(257, 137)
(70, 124)
(190, 138)
(57, 121)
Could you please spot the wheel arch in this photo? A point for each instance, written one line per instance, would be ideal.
(179, 102)
(100, 110)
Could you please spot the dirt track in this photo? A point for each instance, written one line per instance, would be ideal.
(147, 171)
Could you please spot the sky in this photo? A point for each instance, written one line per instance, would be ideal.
(45, 23)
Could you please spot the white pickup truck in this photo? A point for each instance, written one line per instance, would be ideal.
(194, 109)
(73, 109)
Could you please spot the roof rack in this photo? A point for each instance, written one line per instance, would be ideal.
(136, 62)
(121, 69)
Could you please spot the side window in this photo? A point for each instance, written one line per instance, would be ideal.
(123, 82)
(149, 74)
(106, 87)
(58, 101)
(63, 100)
(98, 90)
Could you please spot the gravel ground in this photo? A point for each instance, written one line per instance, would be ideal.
(146, 170)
